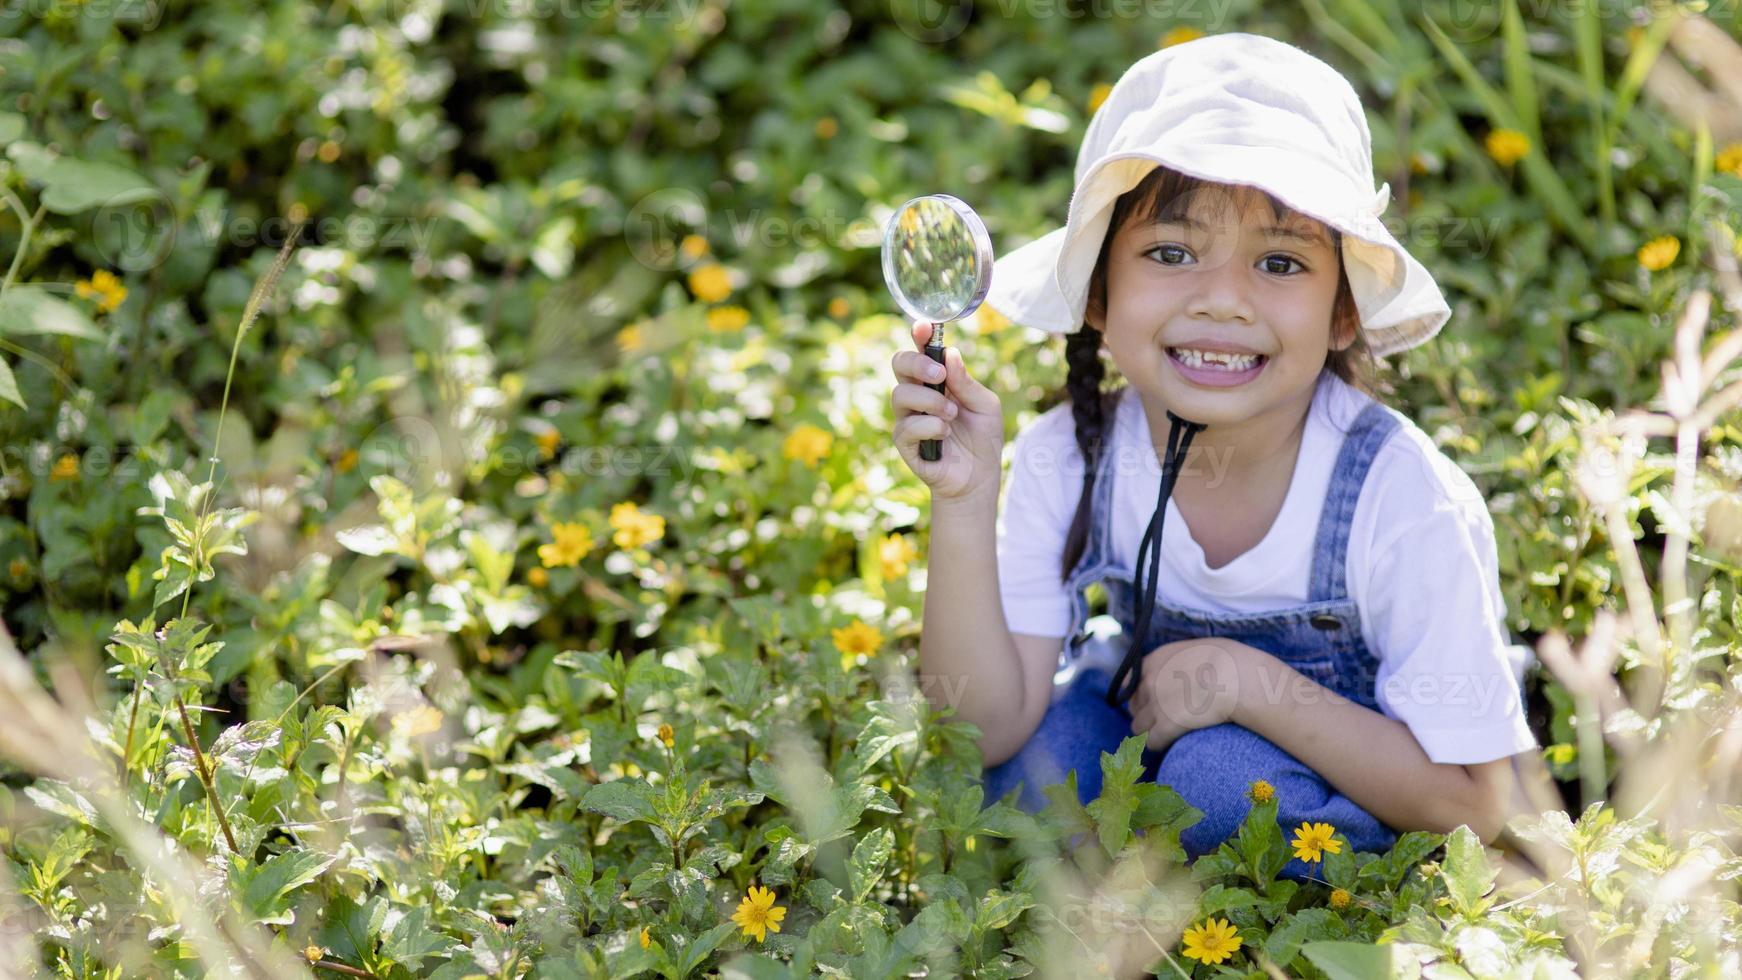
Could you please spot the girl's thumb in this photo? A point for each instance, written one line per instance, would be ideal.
(974, 396)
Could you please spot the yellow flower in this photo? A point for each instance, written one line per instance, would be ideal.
(711, 283)
(635, 528)
(65, 468)
(1659, 253)
(1507, 146)
(631, 338)
(1340, 899)
(19, 568)
(314, 954)
(1212, 941)
(855, 638)
(547, 442)
(894, 551)
(103, 287)
(827, 127)
(646, 938)
(570, 542)
(1730, 159)
(347, 461)
(1098, 96)
(1310, 839)
(1180, 35)
(1418, 163)
(1260, 791)
(723, 319)
(538, 578)
(420, 720)
(808, 444)
(757, 914)
(839, 308)
(665, 735)
(693, 246)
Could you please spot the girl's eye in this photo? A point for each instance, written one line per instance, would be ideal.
(1285, 260)
(1169, 250)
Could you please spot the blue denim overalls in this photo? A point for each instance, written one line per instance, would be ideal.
(1212, 767)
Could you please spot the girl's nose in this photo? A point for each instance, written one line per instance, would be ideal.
(1218, 291)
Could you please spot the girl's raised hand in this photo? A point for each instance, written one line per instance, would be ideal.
(967, 416)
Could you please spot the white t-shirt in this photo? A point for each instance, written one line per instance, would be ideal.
(1422, 567)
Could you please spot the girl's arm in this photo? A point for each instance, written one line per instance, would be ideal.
(1373, 760)
(968, 657)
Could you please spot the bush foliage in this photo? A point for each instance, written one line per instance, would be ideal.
(449, 524)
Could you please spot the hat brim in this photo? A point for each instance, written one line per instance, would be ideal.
(1399, 303)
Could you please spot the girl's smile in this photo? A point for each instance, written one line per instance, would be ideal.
(1214, 366)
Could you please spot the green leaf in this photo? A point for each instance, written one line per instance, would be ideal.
(29, 309)
(1113, 810)
(998, 909)
(1359, 961)
(865, 867)
(265, 889)
(71, 186)
(412, 939)
(1467, 871)
(695, 953)
(1220, 898)
(623, 799)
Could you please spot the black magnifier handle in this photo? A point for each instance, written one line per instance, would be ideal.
(932, 450)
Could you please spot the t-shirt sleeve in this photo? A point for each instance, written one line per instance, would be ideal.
(1033, 522)
(1439, 618)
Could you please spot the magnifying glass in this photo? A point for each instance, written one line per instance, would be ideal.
(937, 263)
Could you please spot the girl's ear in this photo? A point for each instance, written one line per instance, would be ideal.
(1095, 309)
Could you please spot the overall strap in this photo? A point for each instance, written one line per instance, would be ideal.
(1098, 546)
(1331, 544)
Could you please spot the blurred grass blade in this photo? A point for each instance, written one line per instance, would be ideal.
(1589, 36)
(1639, 63)
(1520, 81)
(1371, 24)
(1698, 201)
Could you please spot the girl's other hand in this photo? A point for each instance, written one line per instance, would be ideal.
(966, 416)
(1186, 685)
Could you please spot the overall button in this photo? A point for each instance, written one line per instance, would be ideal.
(1326, 621)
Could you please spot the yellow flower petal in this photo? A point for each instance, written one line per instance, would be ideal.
(1507, 146)
(710, 283)
(1659, 253)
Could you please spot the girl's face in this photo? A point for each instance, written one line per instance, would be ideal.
(1220, 310)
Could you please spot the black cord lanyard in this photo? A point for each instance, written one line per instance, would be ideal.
(1128, 676)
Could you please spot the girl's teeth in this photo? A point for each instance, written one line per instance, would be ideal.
(1215, 360)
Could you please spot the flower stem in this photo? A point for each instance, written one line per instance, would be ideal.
(205, 774)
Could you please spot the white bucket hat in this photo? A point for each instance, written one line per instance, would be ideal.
(1235, 109)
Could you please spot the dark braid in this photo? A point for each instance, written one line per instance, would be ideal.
(1090, 407)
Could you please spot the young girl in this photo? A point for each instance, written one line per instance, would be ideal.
(1311, 601)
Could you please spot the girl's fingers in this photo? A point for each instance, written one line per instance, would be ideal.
(918, 428)
(922, 333)
(919, 398)
(914, 366)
